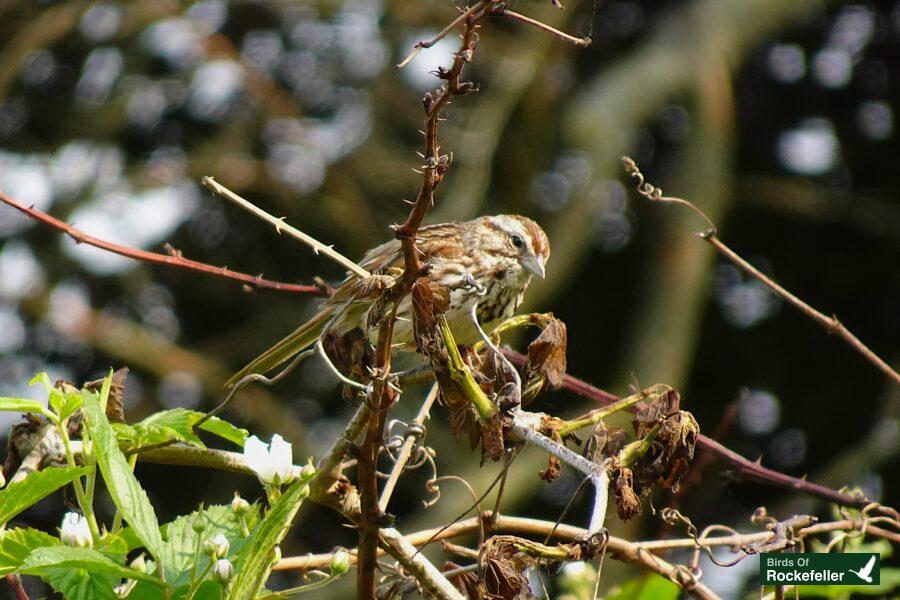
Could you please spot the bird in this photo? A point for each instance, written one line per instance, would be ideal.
(866, 572)
(489, 260)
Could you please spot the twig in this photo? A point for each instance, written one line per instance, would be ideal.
(831, 324)
(428, 44)
(176, 261)
(580, 42)
(548, 530)
(408, 445)
(750, 470)
(15, 583)
(280, 226)
(426, 573)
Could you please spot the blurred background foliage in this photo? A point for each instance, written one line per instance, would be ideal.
(777, 117)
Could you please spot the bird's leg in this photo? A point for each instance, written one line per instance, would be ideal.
(516, 381)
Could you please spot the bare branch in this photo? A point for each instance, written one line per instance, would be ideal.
(831, 324)
(170, 260)
(280, 225)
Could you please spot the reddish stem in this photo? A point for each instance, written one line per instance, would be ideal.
(748, 469)
(179, 262)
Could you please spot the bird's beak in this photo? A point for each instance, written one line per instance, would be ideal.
(534, 265)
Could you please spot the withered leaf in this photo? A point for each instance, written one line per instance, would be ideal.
(662, 406)
(466, 582)
(605, 440)
(628, 504)
(505, 570)
(671, 451)
(547, 358)
(115, 404)
(554, 468)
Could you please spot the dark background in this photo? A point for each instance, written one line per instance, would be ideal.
(777, 117)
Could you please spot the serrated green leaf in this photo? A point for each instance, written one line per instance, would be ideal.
(18, 496)
(254, 562)
(226, 430)
(145, 591)
(65, 404)
(24, 405)
(181, 539)
(179, 420)
(79, 584)
(181, 423)
(41, 560)
(123, 486)
(17, 544)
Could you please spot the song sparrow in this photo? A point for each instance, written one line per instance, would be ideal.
(489, 260)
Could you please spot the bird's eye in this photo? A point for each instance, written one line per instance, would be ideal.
(517, 241)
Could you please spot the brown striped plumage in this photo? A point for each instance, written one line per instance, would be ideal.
(489, 260)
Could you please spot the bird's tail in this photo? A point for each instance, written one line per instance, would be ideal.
(303, 337)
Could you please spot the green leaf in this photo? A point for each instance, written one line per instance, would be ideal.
(181, 539)
(41, 560)
(79, 584)
(225, 430)
(178, 420)
(123, 486)
(255, 560)
(65, 404)
(180, 423)
(17, 544)
(23, 405)
(18, 496)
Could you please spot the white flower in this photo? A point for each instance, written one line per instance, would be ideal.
(217, 547)
(223, 570)
(272, 464)
(75, 531)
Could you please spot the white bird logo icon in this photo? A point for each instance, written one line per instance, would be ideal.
(866, 572)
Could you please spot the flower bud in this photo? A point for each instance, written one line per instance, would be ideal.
(239, 506)
(308, 471)
(139, 564)
(340, 562)
(217, 547)
(222, 571)
(198, 524)
(276, 554)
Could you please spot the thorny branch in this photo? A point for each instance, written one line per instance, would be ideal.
(173, 259)
(831, 324)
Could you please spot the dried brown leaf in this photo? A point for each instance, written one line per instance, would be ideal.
(628, 503)
(115, 404)
(546, 362)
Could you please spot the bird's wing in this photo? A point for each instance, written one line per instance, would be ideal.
(303, 337)
(866, 570)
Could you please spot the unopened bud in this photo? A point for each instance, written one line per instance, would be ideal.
(340, 562)
(223, 571)
(217, 547)
(198, 524)
(308, 471)
(239, 506)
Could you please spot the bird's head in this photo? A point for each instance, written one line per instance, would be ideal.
(522, 239)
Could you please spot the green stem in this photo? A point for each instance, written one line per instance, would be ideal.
(460, 374)
(290, 593)
(635, 451)
(86, 507)
(593, 417)
(196, 584)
